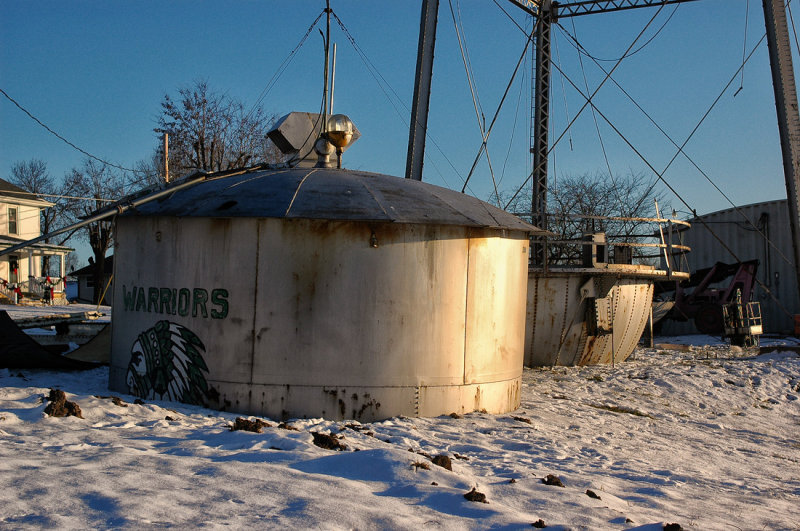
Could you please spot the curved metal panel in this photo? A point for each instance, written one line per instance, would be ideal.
(330, 194)
(570, 331)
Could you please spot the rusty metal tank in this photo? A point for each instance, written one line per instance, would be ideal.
(312, 292)
(595, 313)
(582, 316)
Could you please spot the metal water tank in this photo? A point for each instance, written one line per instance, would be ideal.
(313, 292)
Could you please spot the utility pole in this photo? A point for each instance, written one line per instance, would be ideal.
(166, 157)
(780, 58)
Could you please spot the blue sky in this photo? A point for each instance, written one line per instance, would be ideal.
(96, 72)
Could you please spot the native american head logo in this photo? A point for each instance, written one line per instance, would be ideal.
(167, 364)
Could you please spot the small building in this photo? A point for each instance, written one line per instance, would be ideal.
(20, 221)
(84, 278)
(766, 237)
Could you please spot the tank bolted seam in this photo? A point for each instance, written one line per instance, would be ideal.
(297, 191)
(565, 327)
(255, 306)
(377, 201)
(535, 312)
(466, 307)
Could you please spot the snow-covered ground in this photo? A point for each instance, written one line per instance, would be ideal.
(701, 436)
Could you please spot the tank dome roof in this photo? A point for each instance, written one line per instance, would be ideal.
(330, 194)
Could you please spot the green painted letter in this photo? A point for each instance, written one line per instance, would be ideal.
(141, 302)
(184, 297)
(130, 298)
(166, 298)
(200, 297)
(219, 297)
(152, 299)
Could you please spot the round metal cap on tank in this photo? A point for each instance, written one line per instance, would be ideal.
(321, 292)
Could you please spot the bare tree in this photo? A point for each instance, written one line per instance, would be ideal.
(32, 176)
(584, 203)
(213, 132)
(71, 262)
(96, 183)
(149, 171)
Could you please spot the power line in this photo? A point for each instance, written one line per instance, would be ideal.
(381, 81)
(637, 50)
(522, 86)
(680, 151)
(488, 132)
(283, 66)
(476, 102)
(744, 45)
(745, 59)
(35, 119)
(586, 104)
(660, 176)
(594, 118)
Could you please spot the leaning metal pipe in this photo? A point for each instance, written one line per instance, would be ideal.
(119, 207)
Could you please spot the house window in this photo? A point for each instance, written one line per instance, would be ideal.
(12, 220)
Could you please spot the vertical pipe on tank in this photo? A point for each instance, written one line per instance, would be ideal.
(333, 79)
(327, 39)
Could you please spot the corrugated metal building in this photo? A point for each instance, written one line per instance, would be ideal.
(776, 270)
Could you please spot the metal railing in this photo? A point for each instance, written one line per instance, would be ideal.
(6, 290)
(41, 286)
(655, 242)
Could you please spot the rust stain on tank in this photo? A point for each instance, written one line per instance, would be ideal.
(586, 356)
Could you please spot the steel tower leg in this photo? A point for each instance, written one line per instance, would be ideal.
(780, 57)
(541, 124)
(422, 90)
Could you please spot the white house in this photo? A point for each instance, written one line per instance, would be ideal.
(19, 221)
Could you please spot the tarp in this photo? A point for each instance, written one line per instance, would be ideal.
(18, 350)
(96, 350)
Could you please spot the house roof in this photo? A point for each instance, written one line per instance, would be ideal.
(8, 241)
(11, 190)
(108, 267)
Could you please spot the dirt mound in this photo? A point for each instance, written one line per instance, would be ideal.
(243, 424)
(475, 496)
(59, 406)
(328, 442)
(550, 479)
(443, 461)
